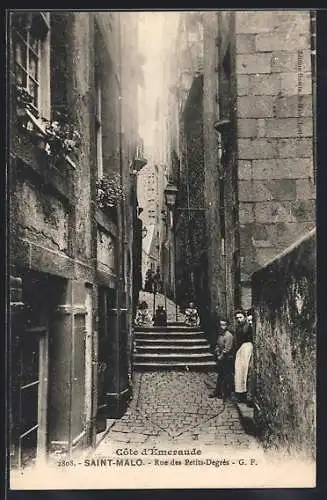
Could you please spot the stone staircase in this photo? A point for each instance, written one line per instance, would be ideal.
(174, 347)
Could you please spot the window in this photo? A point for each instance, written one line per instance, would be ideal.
(31, 57)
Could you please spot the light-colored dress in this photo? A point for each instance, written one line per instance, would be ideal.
(242, 360)
(143, 318)
(191, 317)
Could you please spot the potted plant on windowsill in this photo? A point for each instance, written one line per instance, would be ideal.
(62, 139)
(24, 104)
(109, 192)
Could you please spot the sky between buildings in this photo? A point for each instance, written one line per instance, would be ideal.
(156, 29)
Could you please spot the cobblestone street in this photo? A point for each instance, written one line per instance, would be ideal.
(173, 407)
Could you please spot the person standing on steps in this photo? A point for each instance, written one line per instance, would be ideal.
(160, 317)
(244, 348)
(143, 317)
(157, 281)
(191, 315)
(225, 362)
(148, 285)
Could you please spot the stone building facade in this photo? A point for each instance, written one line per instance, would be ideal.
(73, 79)
(275, 147)
(258, 147)
(186, 160)
(285, 348)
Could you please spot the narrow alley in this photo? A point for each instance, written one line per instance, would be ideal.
(162, 248)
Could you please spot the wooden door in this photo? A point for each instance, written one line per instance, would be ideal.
(30, 396)
(106, 364)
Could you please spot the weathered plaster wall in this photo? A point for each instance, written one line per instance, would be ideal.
(284, 297)
(41, 218)
(81, 67)
(107, 250)
(275, 129)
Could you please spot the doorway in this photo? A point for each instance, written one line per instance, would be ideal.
(106, 362)
(29, 371)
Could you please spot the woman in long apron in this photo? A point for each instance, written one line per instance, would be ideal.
(243, 355)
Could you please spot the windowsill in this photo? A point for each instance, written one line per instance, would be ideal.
(41, 130)
(70, 162)
(107, 212)
(36, 122)
(105, 221)
(54, 176)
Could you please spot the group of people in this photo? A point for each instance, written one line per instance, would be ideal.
(233, 351)
(234, 356)
(143, 316)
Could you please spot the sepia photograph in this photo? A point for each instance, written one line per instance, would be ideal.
(161, 186)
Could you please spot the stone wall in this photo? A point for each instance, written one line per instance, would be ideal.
(284, 298)
(41, 218)
(275, 129)
(215, 274)
(54, 221)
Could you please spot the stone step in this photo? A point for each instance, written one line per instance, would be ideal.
(171, 341)
(168, 329)
(173, 354)
(176, 365)
(175, 346)
(183, 348)
(167, 335)
(169, 355)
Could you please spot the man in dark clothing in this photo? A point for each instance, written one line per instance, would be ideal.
(148, 285)
(225, 362)
(160, 318)
(157, 282)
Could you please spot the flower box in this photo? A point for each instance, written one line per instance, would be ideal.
(109, 192)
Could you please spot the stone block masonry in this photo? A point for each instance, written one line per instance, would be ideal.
(285, 347)
(278, 83)
(268, 42)
(253, 63)
(288, 127)
(274, 115)
(252, 107)
(285, 22)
